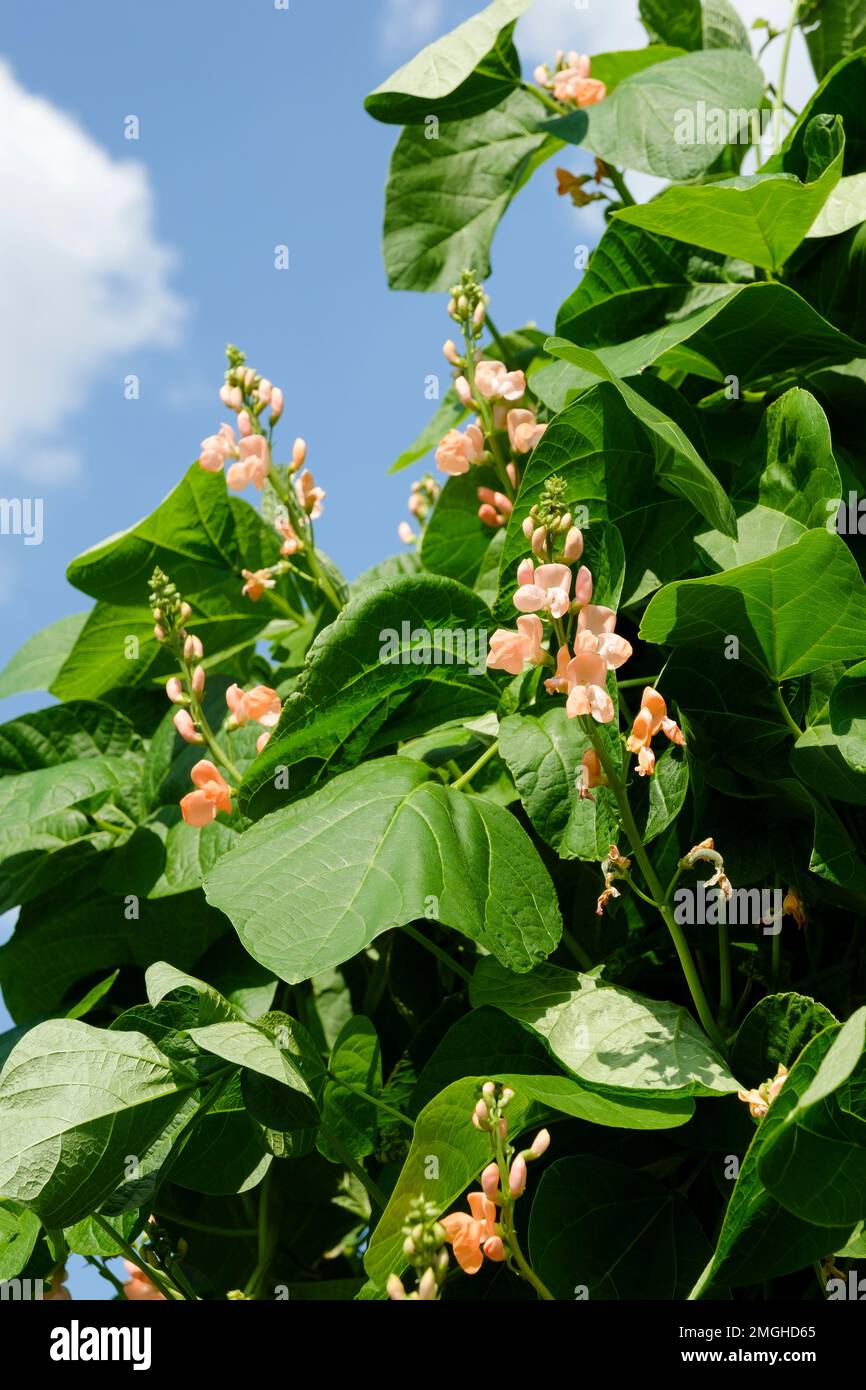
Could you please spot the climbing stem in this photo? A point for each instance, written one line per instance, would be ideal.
(169, 1290)
(779, 102)
(681, 946)
(373, 1100)
(437, 951)
(465, 778)
(374, 1192)
(786, 713)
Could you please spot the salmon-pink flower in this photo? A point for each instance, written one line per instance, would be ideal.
(596, 620)
(57, 1292)
(524, 430)
(494, 382)
(254, 461)
(458, 451)
(591, 775)
(495, 507)
(261, 705)
(587, 673)
(257, 581)
(548, 591)
(557, 684)
(213, 794)
(574, 84)
(292, 542)
(183, 722)
(217, 448)
(310, 496)
(138, 1288)
(473, 1237)
(262, 740)
(651, 718)
(510, 651)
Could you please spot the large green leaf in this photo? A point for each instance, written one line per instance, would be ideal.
(19, 1231)
(748, 332)
(845, 208)
(613, 1040)
(831, 754)
(762, 218)
(833, 29)
(713, 24)
(759, 1239)
(612, 1233)
(420, 631)
(202, 538)
(444, 1133)
(791, 467)
(776, 1031)
(460, 75)
(792, 612)
(36, 664)
(63, 733)
(445, 197)
(679, 467)
(636, 127)
(75, 1102)
(839, 94)
(310, 886)
(356, 1059)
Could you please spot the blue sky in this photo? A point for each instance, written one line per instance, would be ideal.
(143, 257)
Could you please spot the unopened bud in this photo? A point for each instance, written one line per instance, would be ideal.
(488, 1089)
(299, 453)
(540, 1143)
(573, 545)
(517, 1177)
(186, 728)
(395, 1289)
(174, 691)
(451, 353)
(480, 314)
(427, 1286)
(408, 1246)
(490, 1181)
(539, 541)
(277, 403)
(244, 423)
(193, 649)
(198, 680)
(528, 528)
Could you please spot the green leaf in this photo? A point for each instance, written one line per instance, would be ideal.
(611, 1233)
(839, 94)
(226, 1152)
(421, 631)
(455, 541)
(245, 1045)
(764, 604)
(833, 30)
(636, 127)
(356, 1057)
(759, 1239)
(792, 468)
(845, 1053)
(613, 1040)
(679, 467)
(674, 21)
(310, 886)
(75, 1101)
(776, 1031)
(36, 664)
(761, 218)
(444, 1131)
(613, 68)
(543, 753)
(445, 197)
(202, 539)
(64, 733)
(845, 208)
(831, 754)
(19, 1232)
(750, 332)
(460, 75)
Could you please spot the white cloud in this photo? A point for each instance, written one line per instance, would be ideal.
(405, 23)
(85, 282)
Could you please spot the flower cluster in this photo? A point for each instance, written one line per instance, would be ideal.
(570, 80)
(506, 427)
(422, 500)
(652, 717)
(759, 1100)
(485, 1232)
(423, 1245)
(260, 705)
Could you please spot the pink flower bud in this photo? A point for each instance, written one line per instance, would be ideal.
(185, 612)
(517, 1177)
(480, 314)
(277, 403)
(490, 1181)
(573, 546)
(539, 541)
(511, 470)
(540, 1143)
(528, 528)
(488, 515)
(481, 1114)
(395, 1289)
(186, 728)
(263, 390)
(174, 691)
(488, 1089)
(198, 680)
(427, 1286)
(299, 453)
(193, 649)
(244, 423)
(464, 391)
(451, 353)
(526, 572)
(494, 1248)
(262, 740)
(158, 633)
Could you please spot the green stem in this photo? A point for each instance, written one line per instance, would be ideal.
(783, 73)
(466, 777)
(267, 1233)
(102, 1268)
(186, 1221)
(438, 952)
(786, 713)
(638, 680)
(304, 526)
(169, 1290)
(619, 184)
(507, 1223)
(583, 958)
(726, 1003)
(775, 958)
(681, 946)
(374, 1100)
(374, 1192)
(548, 101)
